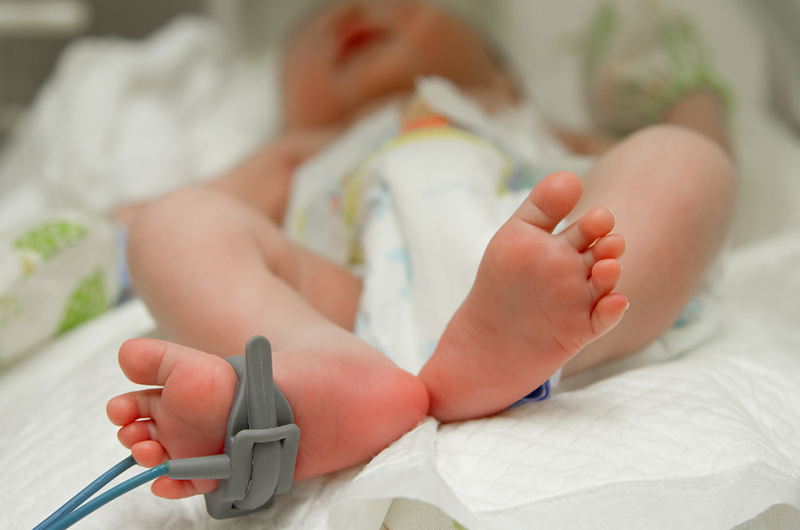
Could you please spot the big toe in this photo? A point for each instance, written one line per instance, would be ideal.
(551, 200)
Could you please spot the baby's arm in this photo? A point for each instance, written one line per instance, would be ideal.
(264, 180)
(672, 190)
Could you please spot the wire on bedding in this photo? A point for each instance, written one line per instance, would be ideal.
(74, 510)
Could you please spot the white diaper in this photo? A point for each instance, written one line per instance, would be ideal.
(412, 213)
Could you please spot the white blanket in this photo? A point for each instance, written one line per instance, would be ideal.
(123, 121)
(705, 441)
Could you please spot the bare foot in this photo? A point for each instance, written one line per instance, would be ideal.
(349, 401)
(538, 299)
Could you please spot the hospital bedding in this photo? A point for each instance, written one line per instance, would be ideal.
(706, 441)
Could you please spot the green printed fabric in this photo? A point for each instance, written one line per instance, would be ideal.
(51, 237)
(638, 58)
(86, 301)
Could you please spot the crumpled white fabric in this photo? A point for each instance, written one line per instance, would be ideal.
(122, 121)
(706, 441)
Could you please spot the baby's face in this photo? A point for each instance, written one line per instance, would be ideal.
(359, 52)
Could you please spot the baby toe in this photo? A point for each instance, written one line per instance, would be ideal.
(595, 224)
(608, 312)
(551, 200)
(605, 276)
(611, 246)
(127, 408)
(149, 453)
(168, 488)
(136, 432)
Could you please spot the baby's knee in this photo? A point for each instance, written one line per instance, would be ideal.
(173, 206)
(702, 163)
(164, 223)
(176, 211)
(684, 142)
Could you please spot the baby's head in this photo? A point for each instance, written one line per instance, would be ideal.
(357, 53)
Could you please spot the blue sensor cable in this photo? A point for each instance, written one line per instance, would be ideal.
(87, 492)
(74, 510)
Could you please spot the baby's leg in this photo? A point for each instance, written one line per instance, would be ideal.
(537, 300)
(348, 404)
(672, 192)
(215, 272)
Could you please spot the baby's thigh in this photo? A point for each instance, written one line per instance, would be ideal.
(330, 289)
(217, 245)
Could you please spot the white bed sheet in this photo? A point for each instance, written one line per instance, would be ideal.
(706, 441)
(712, 438)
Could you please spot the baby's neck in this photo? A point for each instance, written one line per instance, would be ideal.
(491, 98)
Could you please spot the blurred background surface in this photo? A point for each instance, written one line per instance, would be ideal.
(34, 32)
